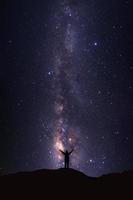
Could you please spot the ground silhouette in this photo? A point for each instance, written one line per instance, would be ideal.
(65, 184)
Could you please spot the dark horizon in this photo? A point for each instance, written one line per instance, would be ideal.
(66, 83)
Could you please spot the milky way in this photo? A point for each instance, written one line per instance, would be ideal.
(65, 86)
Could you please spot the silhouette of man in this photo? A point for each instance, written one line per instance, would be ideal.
(66, 157)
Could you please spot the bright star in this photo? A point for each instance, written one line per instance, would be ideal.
(95, 43)
(49, 73)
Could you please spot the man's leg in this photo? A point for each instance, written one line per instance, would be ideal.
(68, 164)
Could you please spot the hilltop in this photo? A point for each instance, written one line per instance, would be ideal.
(66, 183)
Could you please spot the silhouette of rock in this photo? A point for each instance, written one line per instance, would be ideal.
(65, 184)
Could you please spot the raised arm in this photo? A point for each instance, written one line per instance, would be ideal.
(62, 151)
(70, 151)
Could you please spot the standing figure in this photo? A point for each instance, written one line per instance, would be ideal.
(66, 157)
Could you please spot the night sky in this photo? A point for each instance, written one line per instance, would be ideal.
(66, 82)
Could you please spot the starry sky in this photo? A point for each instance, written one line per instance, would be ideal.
(66, 82)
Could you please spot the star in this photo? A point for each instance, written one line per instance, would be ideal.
(50, 73)
(95, 43)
